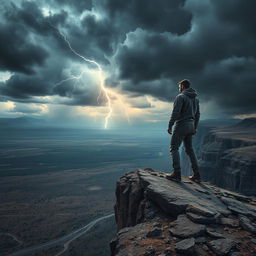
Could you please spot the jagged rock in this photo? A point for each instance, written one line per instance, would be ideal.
(184, 228)
(156, 224)
(156, 232)
(158, 212)
(253, 240)
(235, 195)
(213, 233)
(129, 194)
(229, 222)
(113, 245)
(150, 251)
(205, 247)
(201, 251)
(200, 240)
(200, 219)
(185, 246)
(201, 190)
(221, 246)
(235, 254)
(168, 252)
(174, 198)
(150, 211)
(197, 209)
(239, 207)
(247, 224)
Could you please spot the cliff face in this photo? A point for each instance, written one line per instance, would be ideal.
(156, 216)
(228, 157)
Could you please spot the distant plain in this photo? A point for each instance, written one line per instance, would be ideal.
(56, 180)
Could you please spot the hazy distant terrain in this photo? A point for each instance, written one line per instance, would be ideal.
(54, 181)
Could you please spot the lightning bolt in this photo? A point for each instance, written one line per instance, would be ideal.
(103, 89)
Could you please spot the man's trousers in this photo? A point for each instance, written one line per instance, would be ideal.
(183, 132)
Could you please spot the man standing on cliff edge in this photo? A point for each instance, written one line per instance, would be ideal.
(186, 116)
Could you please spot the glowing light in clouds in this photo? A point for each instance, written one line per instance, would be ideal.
(107, 92)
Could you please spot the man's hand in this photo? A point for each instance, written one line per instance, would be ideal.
(169, 131)
(194, 132)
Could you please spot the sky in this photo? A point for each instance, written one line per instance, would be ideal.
(113, 62)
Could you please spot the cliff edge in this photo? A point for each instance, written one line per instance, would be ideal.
(228, 157)
(156, 216)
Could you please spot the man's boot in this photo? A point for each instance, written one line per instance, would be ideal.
(175, 175)
(195, 177)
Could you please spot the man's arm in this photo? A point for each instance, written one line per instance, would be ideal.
(197, 115)
(177, 105)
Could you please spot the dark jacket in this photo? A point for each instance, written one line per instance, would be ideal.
(185, 107)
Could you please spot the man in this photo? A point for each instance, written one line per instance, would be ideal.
(186, 116)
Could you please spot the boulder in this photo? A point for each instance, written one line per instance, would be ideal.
(221, 246)
(156, 232)
(184, 228)
(185, 246)
(229, 222)
(201, 219)
(239, 207)
(247, 224)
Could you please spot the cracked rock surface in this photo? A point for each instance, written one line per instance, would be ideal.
(156, 216)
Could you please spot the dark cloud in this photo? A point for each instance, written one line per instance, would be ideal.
(19, 51)
(217, 54)
(16, 53)
(101, 33)
(30, 18)
(37, 52)
(162, 16)
(77, 5)
(237, 13)
(230, 82)
(160, 88)
(146, 46)
(23, 87)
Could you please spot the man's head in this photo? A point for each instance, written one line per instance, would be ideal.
(184, 84)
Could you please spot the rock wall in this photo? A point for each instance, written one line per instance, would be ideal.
(156, 216)
(228, 159)
(205, 126)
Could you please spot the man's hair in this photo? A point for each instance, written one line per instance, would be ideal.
(185, 83)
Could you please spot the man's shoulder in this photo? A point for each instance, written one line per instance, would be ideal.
(179, 96)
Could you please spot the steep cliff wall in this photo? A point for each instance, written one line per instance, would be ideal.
(156, 216)
(228, 157)
(205, 126)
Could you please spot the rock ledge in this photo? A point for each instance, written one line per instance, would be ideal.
(156, 216)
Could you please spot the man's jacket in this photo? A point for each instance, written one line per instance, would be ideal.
(185, 107)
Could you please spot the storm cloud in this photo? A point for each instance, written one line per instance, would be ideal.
(144, 46)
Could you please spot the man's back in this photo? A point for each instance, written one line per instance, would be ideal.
(186, 107)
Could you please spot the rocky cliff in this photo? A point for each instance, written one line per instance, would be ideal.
(228, 157)
(156, 216)
(205, 126)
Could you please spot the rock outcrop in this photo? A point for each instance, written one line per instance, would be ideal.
(228, 157)
(156, 216)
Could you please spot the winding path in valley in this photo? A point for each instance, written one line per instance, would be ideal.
(64, 240)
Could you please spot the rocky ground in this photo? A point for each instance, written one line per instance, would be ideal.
(156, 216)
